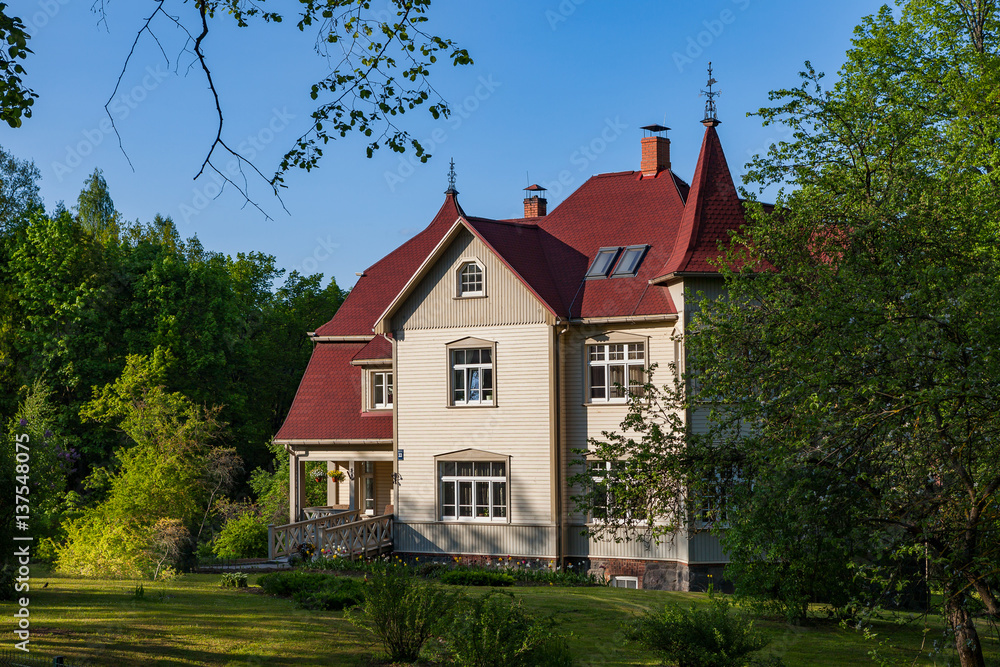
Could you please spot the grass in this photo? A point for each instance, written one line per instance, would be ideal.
(192, 621)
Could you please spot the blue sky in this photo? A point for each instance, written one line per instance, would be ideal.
(559, 89)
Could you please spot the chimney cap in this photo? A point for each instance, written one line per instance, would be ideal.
(655, 128)
(535, 187)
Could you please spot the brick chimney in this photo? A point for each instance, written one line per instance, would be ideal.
(655, 150)
(535, 203)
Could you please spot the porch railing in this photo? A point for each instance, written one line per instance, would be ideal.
(345, 534)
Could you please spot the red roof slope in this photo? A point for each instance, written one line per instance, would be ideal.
(713, 208)
(381, 283)
(614, 210)
(378, 348)
(328, 402)
(519, 244)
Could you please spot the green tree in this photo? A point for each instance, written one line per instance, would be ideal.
(858, 341)
(95, 209)
(16, 98)
(159, 484)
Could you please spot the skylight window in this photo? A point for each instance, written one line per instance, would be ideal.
(630, 261)
(603, 262)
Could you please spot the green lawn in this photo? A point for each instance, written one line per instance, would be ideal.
(191, 621)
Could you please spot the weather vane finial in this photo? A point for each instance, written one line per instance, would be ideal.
(711, 114)
(451, 179)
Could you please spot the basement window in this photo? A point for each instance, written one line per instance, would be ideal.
(630, 261)
(603, 262)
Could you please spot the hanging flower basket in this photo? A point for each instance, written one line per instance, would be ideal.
(337, 475)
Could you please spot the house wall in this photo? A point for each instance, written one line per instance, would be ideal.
(584, 420)
(433, 304)
(518, 425)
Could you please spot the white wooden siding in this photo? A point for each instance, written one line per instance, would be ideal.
(434, 305)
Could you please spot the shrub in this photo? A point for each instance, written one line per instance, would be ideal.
(477, 578)
(495, 631)
(233, 580)
(314, 590)
(690, 637)
(403, 613)
(244, 536)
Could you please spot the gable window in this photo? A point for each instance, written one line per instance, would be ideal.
(603, 262)
(381, 390)
(472, 376)
(471, 281)
(473, 490)
(615, 368)
(631, 258)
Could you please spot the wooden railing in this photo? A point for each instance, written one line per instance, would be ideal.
(345, 534)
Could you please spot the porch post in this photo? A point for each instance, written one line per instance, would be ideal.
(332, 488)
(353, 486)
(296, 471)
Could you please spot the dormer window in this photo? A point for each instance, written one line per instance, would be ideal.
(630, 261)
(471, 281)
(603, 262)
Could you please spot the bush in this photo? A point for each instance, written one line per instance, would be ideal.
(403, 613)
(477, 578)
(690, 637)
(313, 590)
(495, 631)
(233, 580)
(244, 536)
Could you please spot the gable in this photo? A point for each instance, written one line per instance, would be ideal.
(434, 301)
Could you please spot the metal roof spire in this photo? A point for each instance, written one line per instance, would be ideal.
(711, 114)
(451, 180)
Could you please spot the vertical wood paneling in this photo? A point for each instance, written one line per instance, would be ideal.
(669, 548)
(433, 304)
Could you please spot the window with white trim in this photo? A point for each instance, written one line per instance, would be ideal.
(473, 490)
(381, 390)
(613, 369)
(603, 500)
(711, 497)
(472, 376)
(624, 582)
(471, 281)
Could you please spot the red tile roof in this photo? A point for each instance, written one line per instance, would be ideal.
(713, 208)
(681, 224)
(381, 282)
(328, 402)
(378, 348)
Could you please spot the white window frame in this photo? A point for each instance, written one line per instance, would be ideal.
(630, 356)
(460, 291)
(468, 370)
(712, 509)
(598, 470)
(388, 383)
(490, 475)
(621, 579)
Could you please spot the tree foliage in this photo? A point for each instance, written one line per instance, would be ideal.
(158, 488)
(858, 342)
(16, 99)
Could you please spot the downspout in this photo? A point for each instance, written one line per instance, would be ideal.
(559, 362)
